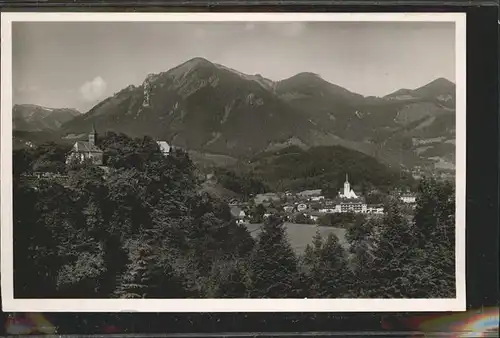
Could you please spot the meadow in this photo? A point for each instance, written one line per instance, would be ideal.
(300, 235)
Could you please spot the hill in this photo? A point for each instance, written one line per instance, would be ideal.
(322, 167)
(29, 117)
(209, 108)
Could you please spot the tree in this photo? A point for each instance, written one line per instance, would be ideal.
(36, 258)
(302, 219)
(331, 189)
(228, 279)
(50, 157)
(394, 255)
(435, 233)
(361, 238)
(360, 230)
(257, 214)
(435, 212)
(22, 162)
(273, 265)
(361, 263)
(375, 198)
(80, 278)
(328, 271)
(149, 275)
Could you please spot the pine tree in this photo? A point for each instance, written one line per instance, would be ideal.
(394, 255)
(328, 274)
(228, 279)
(361, 262)
(150, 273)
(435, 231)
(134, 283)
(360, 237)
(273, 265)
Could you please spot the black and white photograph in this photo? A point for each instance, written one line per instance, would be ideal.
(233, 162)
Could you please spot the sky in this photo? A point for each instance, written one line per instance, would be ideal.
(78, 64)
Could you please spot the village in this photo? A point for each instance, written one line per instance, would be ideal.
(310, 206)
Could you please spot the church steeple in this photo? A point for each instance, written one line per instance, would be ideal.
(93, 136)
(347, 187)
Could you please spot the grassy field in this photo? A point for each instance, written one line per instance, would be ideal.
(300, 235)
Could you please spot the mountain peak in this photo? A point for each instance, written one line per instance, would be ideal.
(190, 65)
(436, 87)
(197, 61)
(307, 75)
(439, 84)
(442, 80)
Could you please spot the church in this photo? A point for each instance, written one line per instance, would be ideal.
(348, 193)
(86, 150)
(349, 201)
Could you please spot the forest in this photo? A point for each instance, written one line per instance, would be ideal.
(143, 229)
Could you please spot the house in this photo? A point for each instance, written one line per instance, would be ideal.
(357, 206)
(301, 207)
(314, 216)
(267, 197)
(233, 202)
(86, 150)
(317, 198)
(330, 210)
(288, 208)
(165, 148)
(375, 209)
(238, 213)
(408, 198)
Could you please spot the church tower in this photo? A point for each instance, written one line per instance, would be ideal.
(347, 187)
(93, 136)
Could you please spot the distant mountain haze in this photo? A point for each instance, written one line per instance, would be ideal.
(207, 107)
(28, 117)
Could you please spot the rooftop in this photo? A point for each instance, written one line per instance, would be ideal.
(83, 146)
(235, 211)
(349, 200)
(164, 146)
(315, 192)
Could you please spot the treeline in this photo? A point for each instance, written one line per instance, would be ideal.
(244, 184)
(341, 220)
(142, 230)
(325, 168)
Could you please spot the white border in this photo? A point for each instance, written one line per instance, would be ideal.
(225, 305)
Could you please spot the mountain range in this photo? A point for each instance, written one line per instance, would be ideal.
(29, 117)
(209, 108)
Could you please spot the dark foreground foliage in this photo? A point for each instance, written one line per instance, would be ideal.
(141, 229)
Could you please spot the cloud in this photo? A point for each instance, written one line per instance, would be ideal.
(27, 89)
(93, 90)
